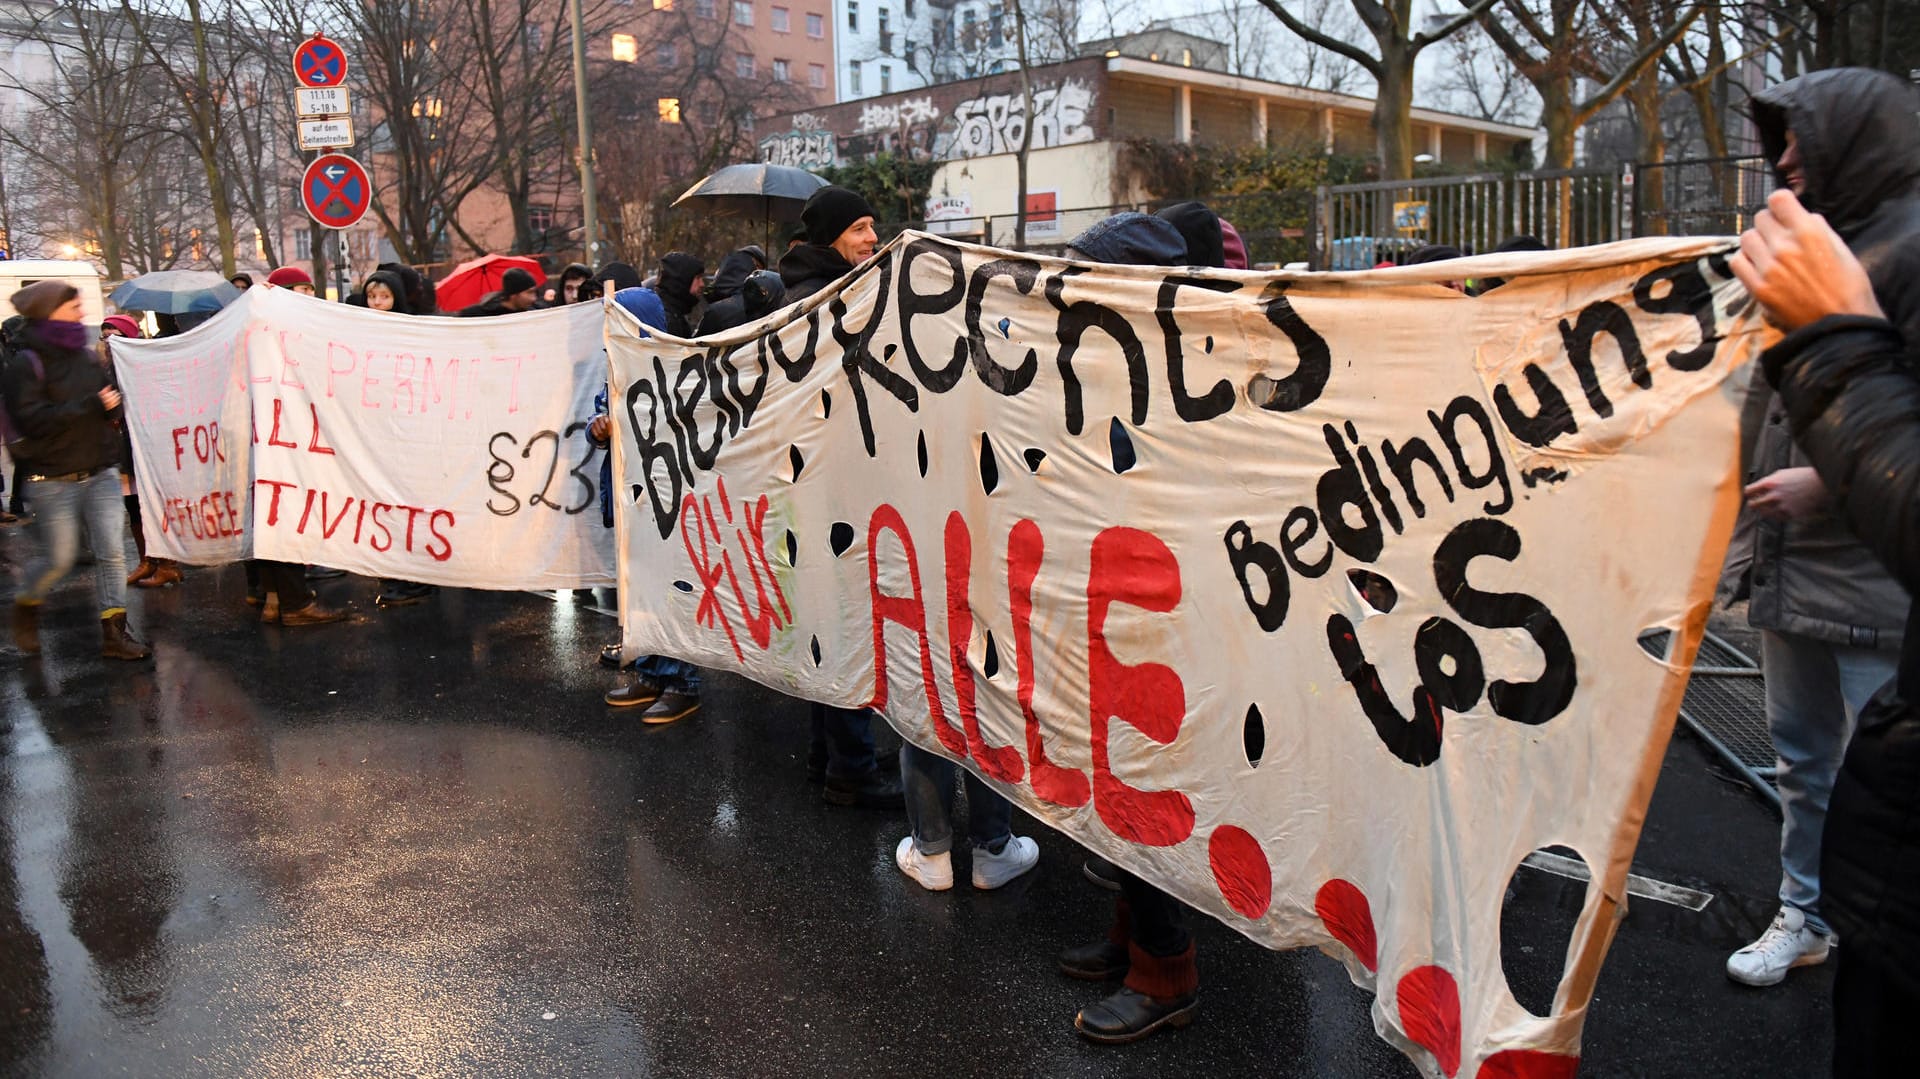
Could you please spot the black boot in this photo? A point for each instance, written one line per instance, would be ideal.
(116, 642)
(870, 790)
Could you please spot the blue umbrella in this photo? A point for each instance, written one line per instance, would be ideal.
(175, 292)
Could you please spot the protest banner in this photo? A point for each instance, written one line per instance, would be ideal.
(1318, 601)
(441, 450)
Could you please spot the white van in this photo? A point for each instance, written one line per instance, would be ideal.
(18, 274)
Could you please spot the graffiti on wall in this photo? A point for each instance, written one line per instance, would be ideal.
(994, 123)
(894, 115)
(799, 149)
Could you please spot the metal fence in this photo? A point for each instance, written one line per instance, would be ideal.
(1355, 226)
(1699, 197)
(1359, 225)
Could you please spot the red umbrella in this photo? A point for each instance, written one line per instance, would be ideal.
(470, 282)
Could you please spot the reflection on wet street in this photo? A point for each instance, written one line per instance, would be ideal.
(418, 844)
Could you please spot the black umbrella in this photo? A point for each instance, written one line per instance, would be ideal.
(768, 192)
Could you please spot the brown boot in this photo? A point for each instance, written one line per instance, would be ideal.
(141, 572)
(313, 614)
(26, 628)
(116, 642)
(164, 573)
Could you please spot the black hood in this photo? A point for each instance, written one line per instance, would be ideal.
(731, 275)
(1859, 136)
(816, 263)
(677, 271)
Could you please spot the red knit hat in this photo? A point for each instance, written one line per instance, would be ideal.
(1235, 247)
(289, 276)
(123, 323)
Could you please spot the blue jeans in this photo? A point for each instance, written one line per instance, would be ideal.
(842, 742)
(671, 675)
(59, 509)
(927, 781)
(1815, 692)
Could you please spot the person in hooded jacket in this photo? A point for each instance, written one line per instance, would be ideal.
(681, 278)
(1148, 947)
(568, 289)
(1847, 142)
(838, 225)
(761, 293)
(733, 271)
(669, 689)
(58, 394)
(1846, 375)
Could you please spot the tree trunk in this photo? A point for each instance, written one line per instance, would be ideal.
(1650, 198)
(1392, 119)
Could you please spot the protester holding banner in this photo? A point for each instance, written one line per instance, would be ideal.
(669, 689)
(840, 236)
(292, 277)
(59, 397)
(1847, 141)
(1148, 946)
(1845, 375)
(150, 572)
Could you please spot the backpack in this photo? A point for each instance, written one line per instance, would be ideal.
(10, 431)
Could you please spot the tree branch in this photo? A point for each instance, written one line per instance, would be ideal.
(1585, 110)
(1422, 40)
(1308, 34)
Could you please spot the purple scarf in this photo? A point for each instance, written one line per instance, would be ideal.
(72, 335)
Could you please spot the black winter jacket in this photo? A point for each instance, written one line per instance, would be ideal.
(1859, 143)
(1853, 402)
(65, 427)
(808, 268)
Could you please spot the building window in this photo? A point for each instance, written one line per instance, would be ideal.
(743, 64)
(886, 78)
(780, 19)
(703, 8)
(668, 109)
(663, 5)
(626, 48)
(535, 37)
(853, 76)
(666, 54)
(853, 15)
(817, 76)
(780, 73)
(886, 34)
(816, 26)
(742, 12)
(303, 245)
(539, 220)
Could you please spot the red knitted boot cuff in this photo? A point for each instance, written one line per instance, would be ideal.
(1163, 978)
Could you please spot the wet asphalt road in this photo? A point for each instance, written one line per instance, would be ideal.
(418, 844)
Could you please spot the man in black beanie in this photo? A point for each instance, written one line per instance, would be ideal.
(682, 276)
(517, 294)
(840, 236)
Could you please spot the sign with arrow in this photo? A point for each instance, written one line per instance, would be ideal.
(319, 61)
(336, 191)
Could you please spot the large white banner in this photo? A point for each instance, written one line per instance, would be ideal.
(449, 451)
(1314, 600)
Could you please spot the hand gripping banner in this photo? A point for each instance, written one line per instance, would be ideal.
(1316, 600)
(449, 451)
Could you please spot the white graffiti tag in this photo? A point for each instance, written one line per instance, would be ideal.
(893, 116)
(994, 124)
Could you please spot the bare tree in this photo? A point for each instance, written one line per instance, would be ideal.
(1554, 44)
(200, 62)
(1396, 47)
(1477, 80)
(86, 120)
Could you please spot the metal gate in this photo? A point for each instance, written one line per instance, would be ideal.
(1700, 197)
(1359, 225)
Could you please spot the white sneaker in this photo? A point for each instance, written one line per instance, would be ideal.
(1787, 943)
(992, 870)
(934, 872)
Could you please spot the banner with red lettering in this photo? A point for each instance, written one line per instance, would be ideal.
(1319, 601)
(442, 450)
